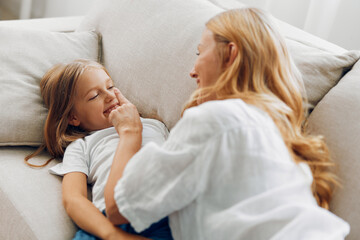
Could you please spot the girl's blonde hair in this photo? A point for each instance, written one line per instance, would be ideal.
(264, 75)
(58, 92)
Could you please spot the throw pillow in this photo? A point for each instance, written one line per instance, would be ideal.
(25, 55)
(321, 69)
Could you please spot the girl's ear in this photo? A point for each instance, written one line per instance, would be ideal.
(73, 120)
(233, 52)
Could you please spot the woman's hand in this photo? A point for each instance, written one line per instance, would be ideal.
(125, 118)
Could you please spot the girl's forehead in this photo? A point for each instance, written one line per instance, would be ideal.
(91, 78)
(93, 75)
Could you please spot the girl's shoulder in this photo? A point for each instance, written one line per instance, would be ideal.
(154, 124)
(154, 131)
(93, 138)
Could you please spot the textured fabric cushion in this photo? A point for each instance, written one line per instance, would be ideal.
(149, 49)
(31, 203)
(337, 118)
(25, 55)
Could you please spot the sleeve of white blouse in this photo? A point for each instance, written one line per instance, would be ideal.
(160, 180)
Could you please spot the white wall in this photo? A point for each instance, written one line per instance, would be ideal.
(58, 8)
(340, 28)
(346, 29)
(48, 8)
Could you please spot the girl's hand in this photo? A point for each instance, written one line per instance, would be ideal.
(125, 118)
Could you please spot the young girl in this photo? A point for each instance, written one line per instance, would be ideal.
(241, 165)
(81, 99)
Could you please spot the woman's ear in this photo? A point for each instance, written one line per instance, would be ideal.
(233, 52)
(73, 120)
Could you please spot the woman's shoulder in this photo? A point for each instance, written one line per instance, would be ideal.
(227, 113)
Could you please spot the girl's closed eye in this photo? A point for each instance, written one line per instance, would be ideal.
(92, 98)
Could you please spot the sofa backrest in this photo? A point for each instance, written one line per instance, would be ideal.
(149, 49)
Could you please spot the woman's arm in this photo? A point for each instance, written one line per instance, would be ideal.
(128, 145)
(126, 121)
(84, 213)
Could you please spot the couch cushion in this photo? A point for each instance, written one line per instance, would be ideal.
(337, 118)
(31, 202)
(25, 56)
(149, 49)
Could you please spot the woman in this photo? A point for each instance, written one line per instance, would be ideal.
(238, 164)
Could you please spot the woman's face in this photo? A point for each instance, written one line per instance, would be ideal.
(94, 100)
(207, 68)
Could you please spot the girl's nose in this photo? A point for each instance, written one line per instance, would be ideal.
(110, 95)
(193, 73)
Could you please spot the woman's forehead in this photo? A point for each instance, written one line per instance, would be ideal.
(207, 38)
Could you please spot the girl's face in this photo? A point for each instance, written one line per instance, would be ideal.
(94, 100)
(207, 68)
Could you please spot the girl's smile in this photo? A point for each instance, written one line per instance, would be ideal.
(112, 107)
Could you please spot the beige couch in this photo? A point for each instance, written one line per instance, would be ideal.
(149, 48)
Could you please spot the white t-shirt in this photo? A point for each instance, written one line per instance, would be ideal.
(93, 155)
(224, 173)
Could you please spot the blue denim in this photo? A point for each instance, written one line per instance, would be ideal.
(157, 231)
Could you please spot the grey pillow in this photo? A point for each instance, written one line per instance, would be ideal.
(321, 69)
(25, 55)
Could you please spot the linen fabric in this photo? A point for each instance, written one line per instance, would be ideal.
(94, 154)
(25, 56)
(336, 117)
(224, 173)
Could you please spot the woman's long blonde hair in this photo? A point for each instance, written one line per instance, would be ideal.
(264, 75)
(58, 92)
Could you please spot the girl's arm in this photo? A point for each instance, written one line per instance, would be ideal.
(126, 121)
(84, 213)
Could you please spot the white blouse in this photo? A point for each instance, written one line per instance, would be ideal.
(224, 173)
